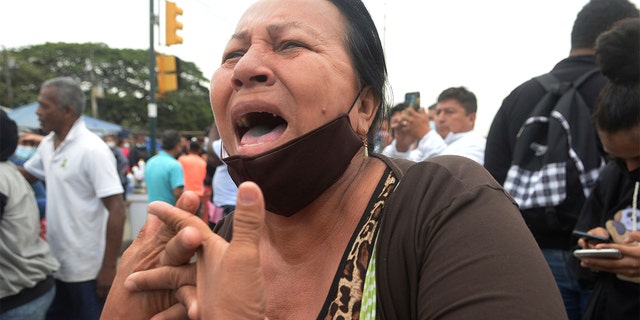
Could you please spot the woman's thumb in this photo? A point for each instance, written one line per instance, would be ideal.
(249, 214)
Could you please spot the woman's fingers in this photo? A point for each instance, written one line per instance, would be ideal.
(187, 295)
(167, 277)
(181, 248)
(175, 312)
(189, 201)
(175, 217)
(164, 250)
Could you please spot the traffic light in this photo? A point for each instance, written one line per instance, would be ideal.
(172, 24)
(167, 74)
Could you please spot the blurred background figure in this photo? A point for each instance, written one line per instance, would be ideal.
(139, 154)
(195, 172)
(402, 143)
(27, 144)
(123, 144)
(138, 150)
(27, 286)
(224, 189)
(163, 174)
(122, 163)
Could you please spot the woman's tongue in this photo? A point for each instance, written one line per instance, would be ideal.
(262, 134)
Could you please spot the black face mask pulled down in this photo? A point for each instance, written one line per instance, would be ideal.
(294, 174)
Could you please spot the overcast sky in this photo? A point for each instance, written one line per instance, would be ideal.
(488, 46)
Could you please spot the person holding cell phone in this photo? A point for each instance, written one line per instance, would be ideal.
(611, 211)
(402, 143)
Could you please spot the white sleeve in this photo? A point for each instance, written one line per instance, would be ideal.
(34, 165)
(392, 152)
(430, 145)
(471, 146)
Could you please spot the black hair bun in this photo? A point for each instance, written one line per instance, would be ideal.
(618, 51)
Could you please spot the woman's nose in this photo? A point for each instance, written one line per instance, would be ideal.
(252, 69)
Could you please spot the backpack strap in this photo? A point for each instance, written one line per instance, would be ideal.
(585, 77)
(552, 84)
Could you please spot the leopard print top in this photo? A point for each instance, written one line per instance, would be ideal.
(344, 298)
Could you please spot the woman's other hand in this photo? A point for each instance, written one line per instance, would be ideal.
(230, 283)
(149, 252)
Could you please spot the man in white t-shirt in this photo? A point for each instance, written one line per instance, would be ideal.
(85, 208)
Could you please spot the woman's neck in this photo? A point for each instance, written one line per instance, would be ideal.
(332, 218)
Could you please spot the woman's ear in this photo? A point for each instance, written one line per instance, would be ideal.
(369, 104)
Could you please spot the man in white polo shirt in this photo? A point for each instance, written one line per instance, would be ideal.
(85, 209)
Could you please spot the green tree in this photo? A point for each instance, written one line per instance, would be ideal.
(122, 73)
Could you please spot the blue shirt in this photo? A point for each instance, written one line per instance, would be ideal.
(162, 174)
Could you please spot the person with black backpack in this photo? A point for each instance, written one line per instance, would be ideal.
(543, 148)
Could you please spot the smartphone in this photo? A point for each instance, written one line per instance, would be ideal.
(608, 253)
(590, 237)
(412, 99)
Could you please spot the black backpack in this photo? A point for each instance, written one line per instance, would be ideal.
(556, 141)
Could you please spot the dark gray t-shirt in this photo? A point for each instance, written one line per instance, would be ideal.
(453, 245)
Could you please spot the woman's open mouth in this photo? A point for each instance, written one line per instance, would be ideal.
(258, 128)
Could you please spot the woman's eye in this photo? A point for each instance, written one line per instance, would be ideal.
(291, 45)
(233, 55)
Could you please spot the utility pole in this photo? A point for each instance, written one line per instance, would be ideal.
(92, 77)
(152, 107)
(9, 64)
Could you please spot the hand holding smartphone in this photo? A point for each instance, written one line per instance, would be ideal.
(608, 253)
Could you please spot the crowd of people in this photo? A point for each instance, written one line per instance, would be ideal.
(63, 233)
(307, 201)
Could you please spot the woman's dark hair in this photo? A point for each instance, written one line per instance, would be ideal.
(618, 56)
(367, 54)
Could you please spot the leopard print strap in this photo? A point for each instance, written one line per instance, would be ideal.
(346, 296)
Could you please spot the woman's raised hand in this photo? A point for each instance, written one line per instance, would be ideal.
(151, 251)
(228, 283)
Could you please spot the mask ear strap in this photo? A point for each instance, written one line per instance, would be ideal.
(364, 139)
(356, 99)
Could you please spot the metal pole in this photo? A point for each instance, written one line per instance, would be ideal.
(94, 88)
(8, 69)
(152, 108)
